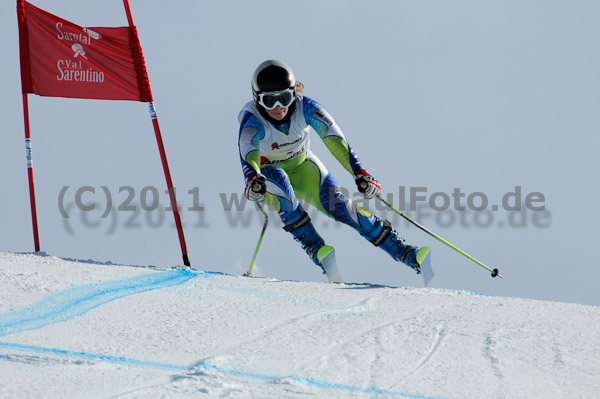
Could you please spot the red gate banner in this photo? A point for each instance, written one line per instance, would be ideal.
(62, 59)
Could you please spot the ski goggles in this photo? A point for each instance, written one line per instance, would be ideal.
(272, 99)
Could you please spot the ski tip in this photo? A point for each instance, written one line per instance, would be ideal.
(324, 252)
(326, 256)
(423, 254)
(424, 260)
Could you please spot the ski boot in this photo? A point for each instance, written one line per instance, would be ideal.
(304, 232)
(389, 240)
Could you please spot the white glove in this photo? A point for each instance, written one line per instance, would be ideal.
(256, 188)
(367, 184)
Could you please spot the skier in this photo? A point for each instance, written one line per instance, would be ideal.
(279, 166)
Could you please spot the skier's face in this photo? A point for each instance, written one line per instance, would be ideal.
(277, 113)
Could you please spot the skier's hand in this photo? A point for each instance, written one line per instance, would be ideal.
(367, 184)
(256, 188)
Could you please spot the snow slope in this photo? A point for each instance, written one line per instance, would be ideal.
(81, 329)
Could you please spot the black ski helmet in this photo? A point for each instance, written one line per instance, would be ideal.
(272, 75)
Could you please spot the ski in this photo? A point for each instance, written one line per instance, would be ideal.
(326, 256)
(424, 261)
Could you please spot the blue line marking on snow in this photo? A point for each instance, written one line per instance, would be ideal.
(315, 383)
(76, 301)
(91, 356)
(207, 366)
(465, 292)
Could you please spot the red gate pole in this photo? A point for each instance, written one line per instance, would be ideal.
(163, 157)
(36, 238)
(25, 81)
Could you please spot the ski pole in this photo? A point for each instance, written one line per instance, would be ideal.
(258, 188)
(426, 230)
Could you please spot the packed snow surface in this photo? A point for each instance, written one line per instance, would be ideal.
(84, 329)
